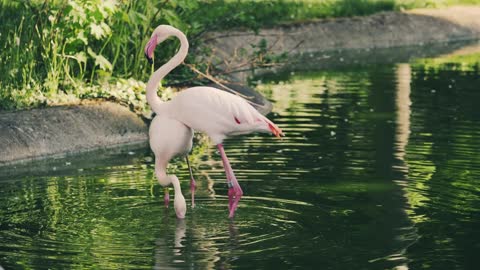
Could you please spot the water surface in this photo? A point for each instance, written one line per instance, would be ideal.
(379, 170)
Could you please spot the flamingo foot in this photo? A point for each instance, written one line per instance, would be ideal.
(234, 195)
(166, 197)
(193, 186)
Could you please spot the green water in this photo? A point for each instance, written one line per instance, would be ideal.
(379, 170)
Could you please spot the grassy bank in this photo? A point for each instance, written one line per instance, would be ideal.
(61, 51)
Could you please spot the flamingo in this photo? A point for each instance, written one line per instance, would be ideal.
(217, 113)
(168, 138)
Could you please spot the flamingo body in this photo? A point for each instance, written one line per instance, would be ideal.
(217, 113)
(169, 138)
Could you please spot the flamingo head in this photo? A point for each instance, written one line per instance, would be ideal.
(160, 34)
(178, 201)
(180, 206)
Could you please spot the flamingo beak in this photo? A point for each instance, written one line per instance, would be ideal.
(149, 48)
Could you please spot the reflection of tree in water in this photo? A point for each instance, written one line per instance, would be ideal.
(68, 220)
(444, 166)
(347, 124)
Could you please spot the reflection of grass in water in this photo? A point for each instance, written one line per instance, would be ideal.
(469, 62)
(113, 216)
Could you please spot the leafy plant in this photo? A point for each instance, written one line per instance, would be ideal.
(56, 48)
(66, 46)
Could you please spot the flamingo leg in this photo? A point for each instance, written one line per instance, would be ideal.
(193, 184)
(166, 198)
(234, 190)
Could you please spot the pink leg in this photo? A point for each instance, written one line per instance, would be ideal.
(234, 190)
(166, 197)
(193, 184)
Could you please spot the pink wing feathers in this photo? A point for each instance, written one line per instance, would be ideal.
(217, 112)
(243, 113)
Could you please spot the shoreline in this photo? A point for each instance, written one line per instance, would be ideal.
(61, 130)
(418, 27)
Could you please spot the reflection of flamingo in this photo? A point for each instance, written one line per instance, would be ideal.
(210, 110)
(179, 246)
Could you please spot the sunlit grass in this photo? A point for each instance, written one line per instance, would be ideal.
(226, 14)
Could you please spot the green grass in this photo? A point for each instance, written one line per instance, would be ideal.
(51, 49)
(226, 14)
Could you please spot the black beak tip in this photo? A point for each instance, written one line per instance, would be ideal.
(150, 61)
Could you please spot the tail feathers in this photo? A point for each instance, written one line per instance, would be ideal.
(274, 129)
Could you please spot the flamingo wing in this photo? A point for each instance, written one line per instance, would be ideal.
(219, 113)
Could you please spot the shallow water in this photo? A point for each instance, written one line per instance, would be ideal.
(379, 170)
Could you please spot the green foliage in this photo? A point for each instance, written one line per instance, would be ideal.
(362, 7)
(51, 48)
(262, 56)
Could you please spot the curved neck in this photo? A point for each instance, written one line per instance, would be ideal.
(161, 172)
(159, 74)
(164, 179)
(176, 186)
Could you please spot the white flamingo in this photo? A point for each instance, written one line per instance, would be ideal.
(212, 111)
(169, 138)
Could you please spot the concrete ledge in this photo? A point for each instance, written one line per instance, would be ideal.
(61, 130)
